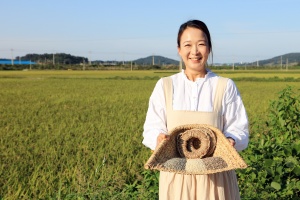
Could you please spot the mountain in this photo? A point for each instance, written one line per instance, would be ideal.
(61, 58)
(290, 58)
(156, 60)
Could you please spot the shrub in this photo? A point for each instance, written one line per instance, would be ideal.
(145, 189)
(273, 154)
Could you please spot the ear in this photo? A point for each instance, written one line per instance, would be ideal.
(178, 50)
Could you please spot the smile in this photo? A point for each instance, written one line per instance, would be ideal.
(195, 59)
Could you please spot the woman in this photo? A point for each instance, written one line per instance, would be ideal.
(195, 100)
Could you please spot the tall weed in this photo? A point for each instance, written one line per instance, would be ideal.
(273, 153)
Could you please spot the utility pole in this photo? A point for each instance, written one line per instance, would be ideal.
(152, 59)
(131, 65)
(287, 63)
(281, 62)
(233, 62)
(53, 59)
(90, 62)
(12, 57)
(180, 64)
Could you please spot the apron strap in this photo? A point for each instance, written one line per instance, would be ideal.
(219, 94)
(168, 90)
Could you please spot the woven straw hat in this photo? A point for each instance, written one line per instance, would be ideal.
(195, 149)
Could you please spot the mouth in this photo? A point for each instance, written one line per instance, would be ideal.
(196, 59)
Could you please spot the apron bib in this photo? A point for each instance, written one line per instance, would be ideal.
(174, 186)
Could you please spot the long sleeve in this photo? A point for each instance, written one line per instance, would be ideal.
(235, 117)
(155, 122)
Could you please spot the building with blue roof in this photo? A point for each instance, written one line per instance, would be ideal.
(15, 62)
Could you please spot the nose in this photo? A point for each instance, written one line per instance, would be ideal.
(194, 50)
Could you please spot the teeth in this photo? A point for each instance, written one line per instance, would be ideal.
(195, 58)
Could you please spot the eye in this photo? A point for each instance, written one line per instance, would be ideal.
(187, 45)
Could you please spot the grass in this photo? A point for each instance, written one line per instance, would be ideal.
(77, 134)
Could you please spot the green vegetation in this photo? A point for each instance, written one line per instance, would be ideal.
(77, 134)
(273, 153)
(58, 58)
(63, 61)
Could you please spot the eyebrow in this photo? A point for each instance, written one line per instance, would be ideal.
(197, 41)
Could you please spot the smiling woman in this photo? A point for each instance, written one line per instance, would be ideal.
(194, 46)
(196, 96)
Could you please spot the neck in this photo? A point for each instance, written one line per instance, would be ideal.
(193, 75)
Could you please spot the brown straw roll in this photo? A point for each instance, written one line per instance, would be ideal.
(193, 144)
(195, 149)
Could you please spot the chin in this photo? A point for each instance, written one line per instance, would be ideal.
(196, 66)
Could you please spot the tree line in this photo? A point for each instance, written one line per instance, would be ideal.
(57, 58)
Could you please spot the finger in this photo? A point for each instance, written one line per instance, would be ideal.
(231, 141)
(164, 136)
(161, 137)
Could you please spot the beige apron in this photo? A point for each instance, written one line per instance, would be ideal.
(197, 187)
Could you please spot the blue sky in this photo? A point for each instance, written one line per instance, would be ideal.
(242, 31)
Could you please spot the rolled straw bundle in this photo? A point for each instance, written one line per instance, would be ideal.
(195, 149)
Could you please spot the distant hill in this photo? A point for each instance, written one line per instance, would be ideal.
(156, 60)
(291, 58)
(61, 58)
(150, 60)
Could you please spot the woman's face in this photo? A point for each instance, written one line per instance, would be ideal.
(194, 49)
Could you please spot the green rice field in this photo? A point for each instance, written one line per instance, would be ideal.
(78, 134)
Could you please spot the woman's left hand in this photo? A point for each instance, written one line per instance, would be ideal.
(231, 141)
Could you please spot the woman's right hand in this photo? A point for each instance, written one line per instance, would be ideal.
(160, 138)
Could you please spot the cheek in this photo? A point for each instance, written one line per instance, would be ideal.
(182, 52)
(205, 52)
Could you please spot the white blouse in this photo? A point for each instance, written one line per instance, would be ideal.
(197, 96)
